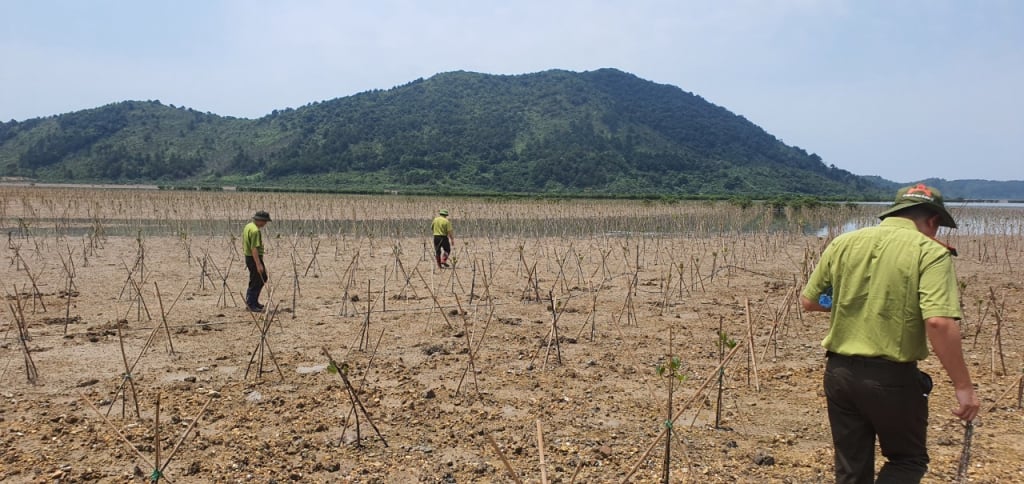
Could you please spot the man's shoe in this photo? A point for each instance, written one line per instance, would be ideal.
(254, 309)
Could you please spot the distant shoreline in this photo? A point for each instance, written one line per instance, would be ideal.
(26, 183)
(12, 182)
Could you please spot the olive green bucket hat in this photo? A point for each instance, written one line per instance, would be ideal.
(443, 212)
(921, 194)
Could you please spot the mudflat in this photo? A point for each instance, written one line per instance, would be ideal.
(539, 351)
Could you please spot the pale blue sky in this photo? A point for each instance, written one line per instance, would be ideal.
(905, 89)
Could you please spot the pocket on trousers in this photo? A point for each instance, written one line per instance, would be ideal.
(926, 383)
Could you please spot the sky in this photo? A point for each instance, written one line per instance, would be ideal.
(906, 90)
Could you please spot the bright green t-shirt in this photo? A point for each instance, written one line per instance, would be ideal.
(251, 238)
(886, 280)
(441, 225)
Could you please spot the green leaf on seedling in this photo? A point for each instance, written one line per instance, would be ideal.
(332, 368)
(676, 363)
(660, 369)
(668, 424)
(724, 338)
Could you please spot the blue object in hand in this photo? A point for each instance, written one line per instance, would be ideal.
(825, 299)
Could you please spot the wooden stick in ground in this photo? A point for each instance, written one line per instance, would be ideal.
(127, 380)
(1020, 392)
(471, 364)
(1015, 385)
(36, 293)
(174, 450)
(540, 451)
(362, 381)
(750, 335)
(436, 302)
(508, 467)
(69, 272)
(124, 439)
(700, 392)
(342, 372)
(553, 332)
(668, 437)
(155, 477)
(997, 336)
(579, 466)
(163, 317)
(31, 372)
(263, 345)
(780, 316)
(475, 352)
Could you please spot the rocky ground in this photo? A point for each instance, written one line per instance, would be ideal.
(442, 387)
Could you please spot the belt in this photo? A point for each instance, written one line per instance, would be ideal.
(870, 360)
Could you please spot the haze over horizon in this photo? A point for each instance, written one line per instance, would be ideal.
(905, 90)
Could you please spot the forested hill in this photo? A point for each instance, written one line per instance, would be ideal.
(598, 132)
(965, 189)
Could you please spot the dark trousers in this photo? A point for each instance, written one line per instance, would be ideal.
(256, 282)
(870, 397)
(441, 243)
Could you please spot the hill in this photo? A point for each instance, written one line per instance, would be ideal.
(597, 132)
(965, 189)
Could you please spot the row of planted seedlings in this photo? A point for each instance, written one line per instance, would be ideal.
(559, 257)
(214, 212)
(620, 261)
(990, 241)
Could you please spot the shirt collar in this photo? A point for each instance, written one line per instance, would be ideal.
(906, 223)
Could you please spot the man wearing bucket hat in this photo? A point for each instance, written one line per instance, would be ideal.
(893, 286)
(444, 237)
(252, 248)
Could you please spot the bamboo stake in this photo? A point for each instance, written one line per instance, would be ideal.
(508, 467)
(127, 378)
(1015, 385)
(700, 391)
(353, 396)
(195, 420)
(997, 337)
(163, 318)
(540, 451)
(124, 439)
(155, 477)
(436, 302)
(752, 358)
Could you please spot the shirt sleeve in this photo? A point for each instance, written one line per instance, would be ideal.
(938, 289)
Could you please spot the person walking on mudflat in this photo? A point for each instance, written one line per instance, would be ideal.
(444, 237)
(888, 288)
(252, 248)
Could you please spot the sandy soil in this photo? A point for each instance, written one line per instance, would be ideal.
(596, 396)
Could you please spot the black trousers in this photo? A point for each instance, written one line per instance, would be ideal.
(256, 281)
(442, 242)
(869, 397)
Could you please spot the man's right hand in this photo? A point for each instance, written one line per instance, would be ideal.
(969, 404)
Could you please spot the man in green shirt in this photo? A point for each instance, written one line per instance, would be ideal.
(252, 249)
(444, 237)
(892, 286)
